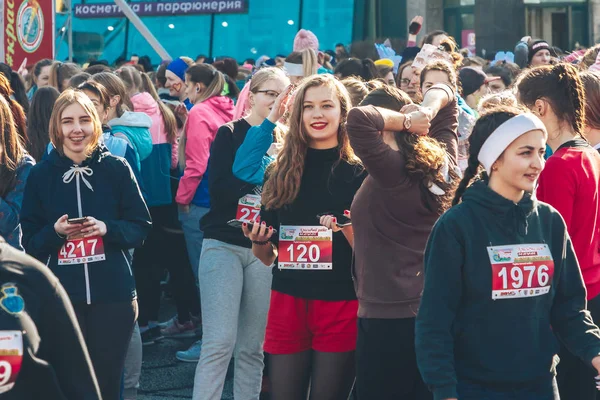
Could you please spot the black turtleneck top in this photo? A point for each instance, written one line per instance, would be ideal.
(328, 185)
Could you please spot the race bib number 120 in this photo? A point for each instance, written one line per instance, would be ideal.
(11, 358)
(521, 270)
(80, 251)
(305, 247)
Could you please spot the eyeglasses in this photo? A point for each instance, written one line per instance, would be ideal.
(270, 93)
(405, 82)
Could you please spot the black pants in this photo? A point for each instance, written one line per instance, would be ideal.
(575, 378)
(164, 249)
(386, 364)
(107, 330)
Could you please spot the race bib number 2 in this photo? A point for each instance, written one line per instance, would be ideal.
(305, 247)
(11, 358)
(248, 209)
(80, 251)
(523, 270)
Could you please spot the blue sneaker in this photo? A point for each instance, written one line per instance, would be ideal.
(191, 355)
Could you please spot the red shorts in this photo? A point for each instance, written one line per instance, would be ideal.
(295, 325)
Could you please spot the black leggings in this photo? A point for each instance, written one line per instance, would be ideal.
(575, 378)
(164, 249)
(107, 330)
(386, 364)
(330, 376)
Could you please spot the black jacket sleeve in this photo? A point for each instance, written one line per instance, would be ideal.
(434, 339)
(39, 237)
(134, 224)
(64, 348)
(570, 320)
(223, 185)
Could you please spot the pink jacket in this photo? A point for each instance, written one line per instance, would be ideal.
(143, 102)
(202, 125)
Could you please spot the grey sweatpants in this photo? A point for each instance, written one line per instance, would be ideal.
(133, 365)
(235, 288)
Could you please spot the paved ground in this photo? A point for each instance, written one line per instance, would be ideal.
(166, 378)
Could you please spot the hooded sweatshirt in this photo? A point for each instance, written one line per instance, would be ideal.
(103, 187)
(202, 125)
(156, 167)
(134, 127)
(570, 182)
(501, 284)
(10, 204)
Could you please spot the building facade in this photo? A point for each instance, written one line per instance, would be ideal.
(268, 27)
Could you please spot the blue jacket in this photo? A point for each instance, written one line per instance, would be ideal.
(251, 160)
(134, 127)
(10, 205)
(103, 187)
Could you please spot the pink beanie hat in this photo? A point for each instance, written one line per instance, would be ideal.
(306, 40)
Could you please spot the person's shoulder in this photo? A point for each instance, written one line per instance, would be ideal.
(27, 267)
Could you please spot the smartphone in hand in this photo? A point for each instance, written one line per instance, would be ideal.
(341, 220)
(234, 223)
(76, 221)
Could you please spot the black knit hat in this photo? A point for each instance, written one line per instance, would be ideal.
(537, 45)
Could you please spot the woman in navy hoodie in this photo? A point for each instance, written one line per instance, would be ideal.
(502, 283)
(82, 211)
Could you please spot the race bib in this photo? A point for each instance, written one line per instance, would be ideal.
(305, 247)
(11, 358)
(80, 251)
(248, 209)
(521, 270)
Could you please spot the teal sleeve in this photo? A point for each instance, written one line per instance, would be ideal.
(250, 161)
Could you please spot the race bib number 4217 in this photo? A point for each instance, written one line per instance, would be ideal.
(521, 270)
(305, 247)
(80, 251)
(11, 358)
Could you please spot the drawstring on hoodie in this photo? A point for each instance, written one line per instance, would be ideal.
(78, 172)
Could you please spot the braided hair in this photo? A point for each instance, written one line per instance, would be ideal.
(482, 130)
(562, 87)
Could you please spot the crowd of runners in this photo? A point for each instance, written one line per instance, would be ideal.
(340, 227)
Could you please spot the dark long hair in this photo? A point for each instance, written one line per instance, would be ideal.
(38, 122)
(482, 130)
(425, 157)
(561, 86)
(16, 110)
(17, 86)
(12, 149)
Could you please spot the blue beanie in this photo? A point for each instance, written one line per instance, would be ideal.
(178, 67)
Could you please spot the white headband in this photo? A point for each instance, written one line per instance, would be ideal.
(293, 69)
(504, 135)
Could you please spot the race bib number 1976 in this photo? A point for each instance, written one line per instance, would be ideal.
(520, 270)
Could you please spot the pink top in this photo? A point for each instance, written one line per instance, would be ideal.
(203, 122)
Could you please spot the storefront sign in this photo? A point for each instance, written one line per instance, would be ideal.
(27, 31)
(144, 9)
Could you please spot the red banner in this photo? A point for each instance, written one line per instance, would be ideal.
(27, 31)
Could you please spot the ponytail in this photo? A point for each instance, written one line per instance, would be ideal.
(19, 91)
(214, 82)
(168, 116)
(561, 86)
(470, 173)
(569, 79)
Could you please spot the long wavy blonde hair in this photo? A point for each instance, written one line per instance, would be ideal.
(285, 174)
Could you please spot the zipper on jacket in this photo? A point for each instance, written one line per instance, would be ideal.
(88, 294)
